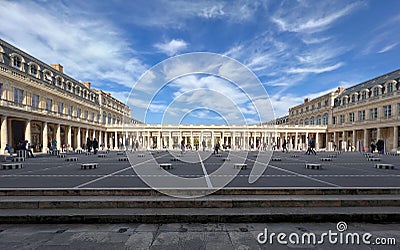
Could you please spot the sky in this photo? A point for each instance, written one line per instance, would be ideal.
(139, 51)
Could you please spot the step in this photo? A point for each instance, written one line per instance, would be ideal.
(212, 201)
(206, 215)
(200, 191)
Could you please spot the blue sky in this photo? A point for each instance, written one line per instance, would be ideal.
(297, 49)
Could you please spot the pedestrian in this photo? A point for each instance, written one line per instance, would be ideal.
(88, 144)
(284, 146)
(373, 146)
(182, 147)
(95, 145)
(312, 146)
(216, 148)
(53, 144)
(203, 143)
(29, 150)
(308, 152)
(380, 145)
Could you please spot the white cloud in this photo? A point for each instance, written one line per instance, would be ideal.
(171, 47)
(315, 70)
(387, 48)
(88, 47)
(301, 19)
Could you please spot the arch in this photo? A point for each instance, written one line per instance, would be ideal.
(312, 120)
(59, 81)
(17, 61)
(33, 69)
(318, 119)
(325, 119)
(48, 75)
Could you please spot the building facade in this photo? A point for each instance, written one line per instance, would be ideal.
(40, 103)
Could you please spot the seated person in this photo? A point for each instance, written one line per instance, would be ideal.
(9, 149)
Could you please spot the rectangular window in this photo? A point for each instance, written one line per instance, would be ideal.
(342, 118)
(35, 101)
(374, 113)
(364, 95)
(1, 91)
(390, 88)
(312, 107)
(326, 103)
(387, 111)
(319, 105)
(306, 109)
(86, 115)
(78, 112)
(60, 108)
(361, 115)
(398, 108)
(92, 116)
(18, 95)
(70, 110)
(351, 117)
(49, 104)
(334, 120)
(376, 91)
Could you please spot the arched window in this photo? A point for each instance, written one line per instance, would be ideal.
(109, 118)
(104, 117)
(312, 120)
(114, 119)
(59, 81)
(33, 69)
(318, 119)
(306, 121)
(48, 75)
(325, 119)
(301, 122)
(390, 87)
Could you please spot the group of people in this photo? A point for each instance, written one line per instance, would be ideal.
(380, 146)
(311, 146)
(92, 144)
(22, 145)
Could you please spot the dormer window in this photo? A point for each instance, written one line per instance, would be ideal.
(376, 91)
(69, 86)
(48, 76)
(17, 61)
(390, 87)
(33, 70)
(59, 81)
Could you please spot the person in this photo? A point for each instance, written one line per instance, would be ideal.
(29, 149)
(88, 144)
(284, 147)
(312, 146)
(137, 145)
(380, 145)
(95, 145)
(203, 143)
(373, 146)
(54, 144)
(273, 146)
(334, 146)
(182, 147)
(9, 149)
(216, 148)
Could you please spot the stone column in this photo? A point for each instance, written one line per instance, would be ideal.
(79, 139)
(378, 134)
(28, 130)
(69, 138)
(317, 141)
(255, 140)
(44, 137)
(100, 140)
(58, 136)
(353, 141)
(105, 140)
(365, 139)
(86, 135)
(234, 140)
(4, 133)
(159, 146)
(171, 142)
(115, 140)
(395, 137)
(296, 137)
(212, 139)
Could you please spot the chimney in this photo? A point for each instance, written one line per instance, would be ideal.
(58, 67)
(306, 100)
(340, 89)
(87, 84)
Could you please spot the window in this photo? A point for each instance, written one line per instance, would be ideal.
(69, 86)
(341, 118)
(1, 91)
(390, 87)
(312, 120)
(92, 117)
(59, 81)
(35, 101)
(319, 105)
(86, 115)
(344, 101)
(334, 119)
(49, 104)
(17, 61)
(353, 98)
(312, 107)
(361, 115)
(18, 95)
(109, 118)
(351, 117)
(60, 108)
(376, 91)
(301, 122)
(306, 109)
(78, 112)
(318, 119)
(326, 103)
(104, 117)
(364, 95)
(297, 112)
(387, 111)
(301, 111)
(70, 110)
(374, 113)
(33, 70)
(325, 119)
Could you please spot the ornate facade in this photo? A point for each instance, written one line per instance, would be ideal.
(40, 103)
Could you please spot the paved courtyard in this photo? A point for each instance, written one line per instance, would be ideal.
(348, 169)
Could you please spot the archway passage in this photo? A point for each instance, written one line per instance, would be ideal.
(17, 131)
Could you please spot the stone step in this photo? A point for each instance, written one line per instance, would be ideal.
(212, 201)
(132, 192)
(206, 215)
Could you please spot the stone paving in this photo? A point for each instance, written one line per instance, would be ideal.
(350, 169)
(183, 236)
